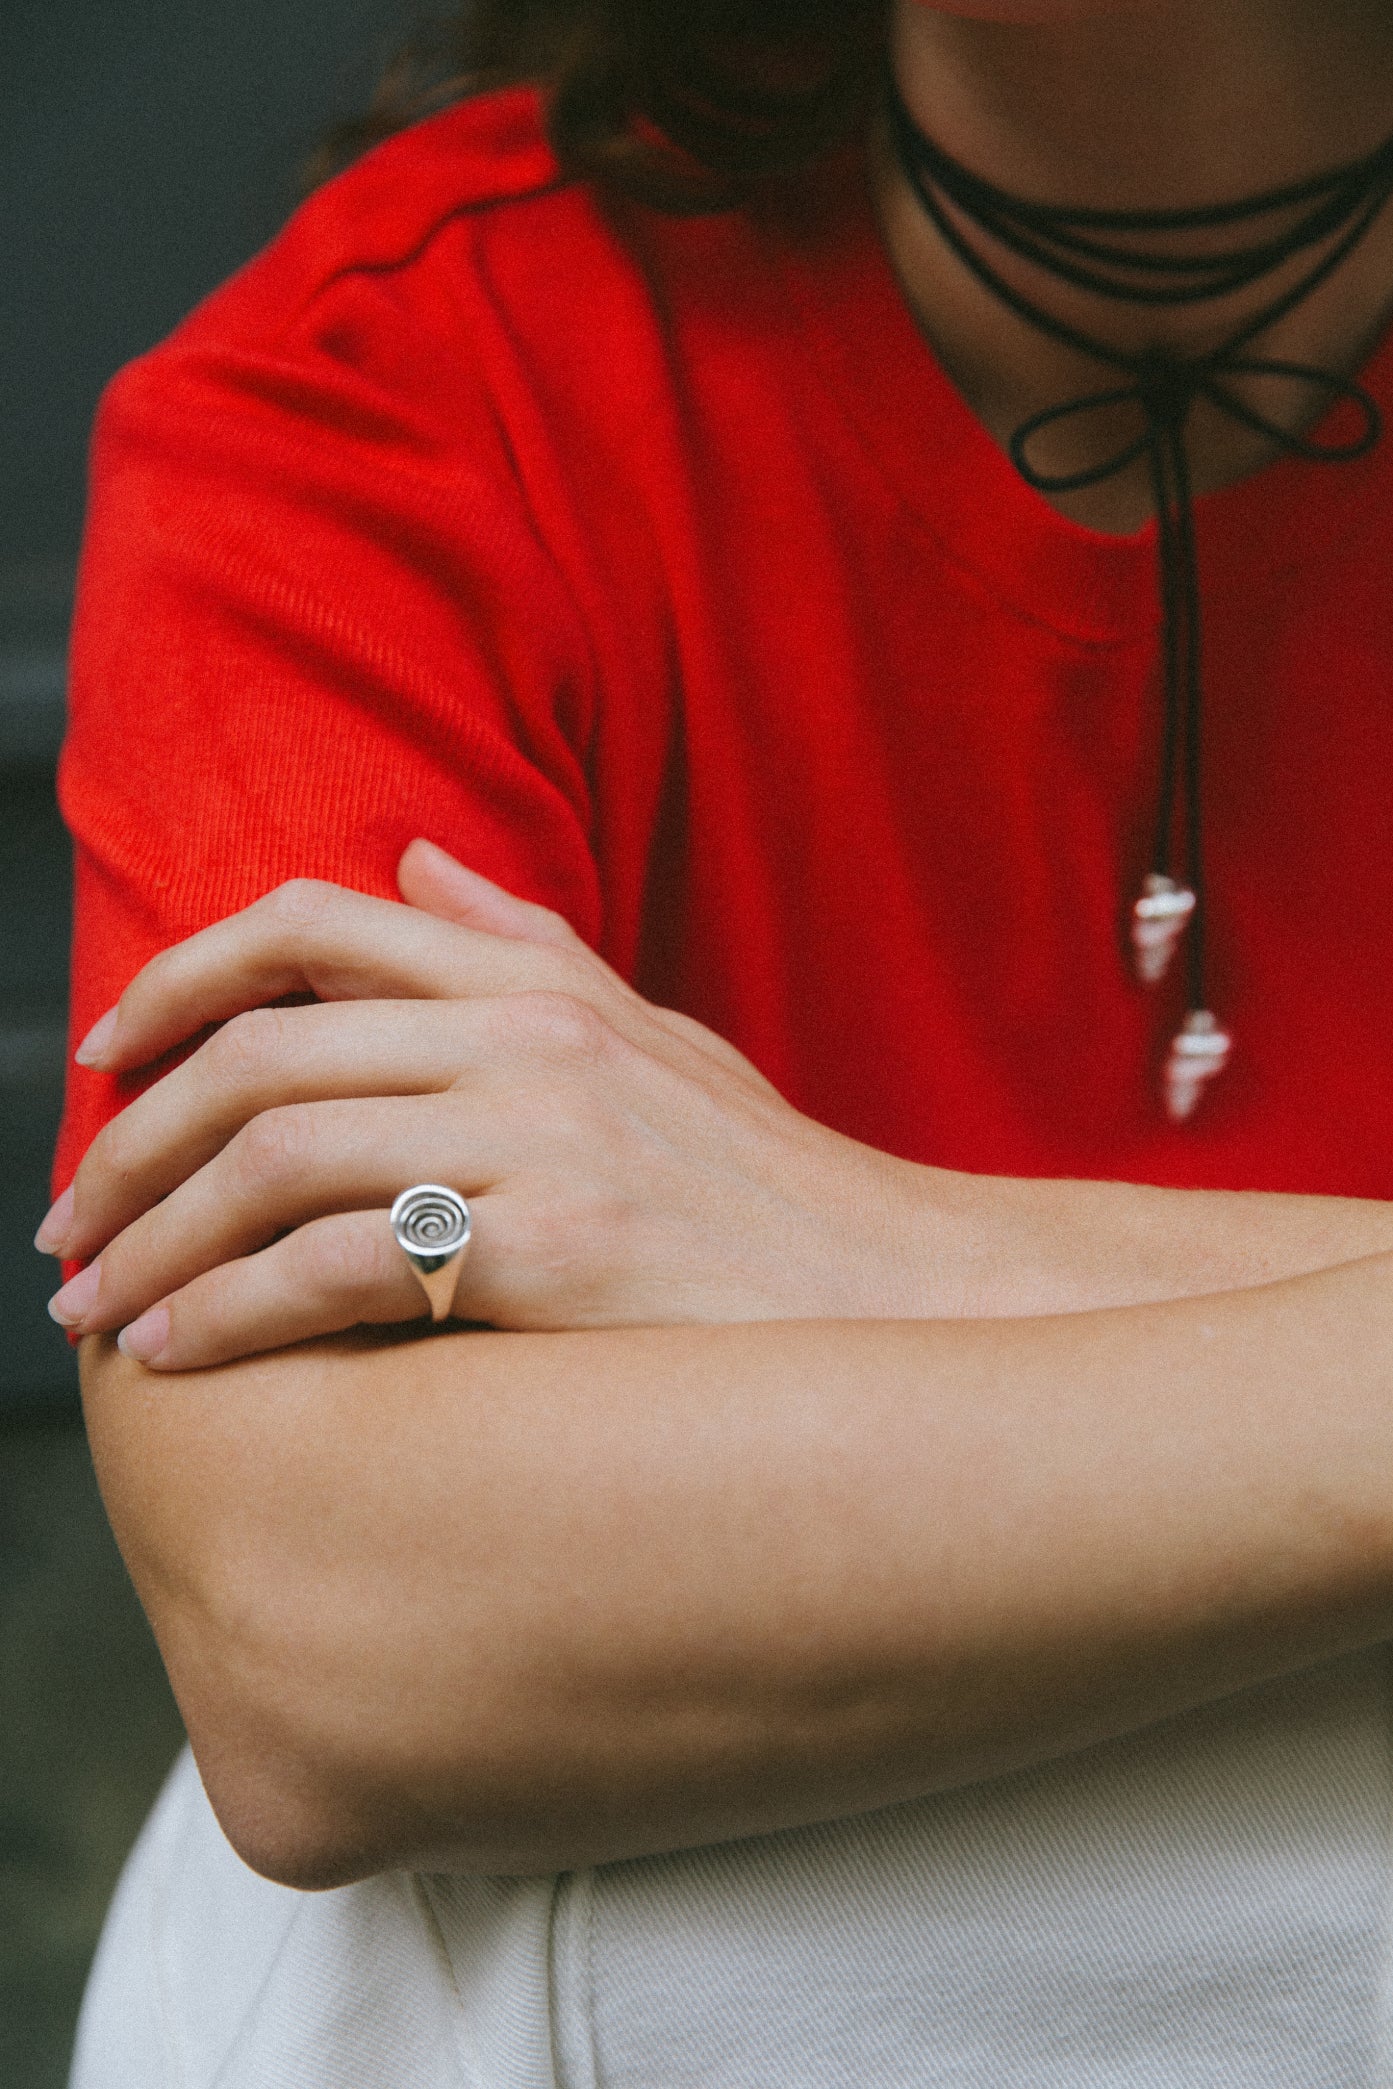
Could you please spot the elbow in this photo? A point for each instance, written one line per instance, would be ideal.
(315, 1787)
(319, 1779)
(299, 1804)
(296, 1803)
(279, 1828)
(314, 1824)
(322, 1771)
(309, 1793)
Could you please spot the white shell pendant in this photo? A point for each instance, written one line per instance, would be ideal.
(1200, 1051)
(1159, 920)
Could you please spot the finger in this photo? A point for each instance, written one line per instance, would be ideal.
(332, 1274)
(264, 1059)
(308, 937)
(282, 1170)
(440, 884)
(313, 938)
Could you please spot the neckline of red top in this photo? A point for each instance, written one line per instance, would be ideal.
(947, 468)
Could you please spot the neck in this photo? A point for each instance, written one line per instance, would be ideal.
(1149, 104)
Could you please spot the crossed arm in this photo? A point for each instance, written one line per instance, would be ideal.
(796, 1480)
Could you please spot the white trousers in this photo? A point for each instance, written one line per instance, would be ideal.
(1202, 1906)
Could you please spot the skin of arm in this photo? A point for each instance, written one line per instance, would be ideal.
(518, 1600)
(634, 1169)
(512, 1603)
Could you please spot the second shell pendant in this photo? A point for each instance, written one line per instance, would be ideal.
(1159, 920)
(1201, 1050)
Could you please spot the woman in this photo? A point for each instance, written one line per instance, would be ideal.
(873, 1597)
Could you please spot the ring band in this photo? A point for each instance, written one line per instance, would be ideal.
(432, 1226)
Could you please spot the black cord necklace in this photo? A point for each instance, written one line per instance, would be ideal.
(1080, 247)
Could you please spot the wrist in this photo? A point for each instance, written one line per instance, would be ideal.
(993, 1247)
(938, 1244)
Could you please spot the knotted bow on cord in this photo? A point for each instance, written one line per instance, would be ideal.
(1076, 246)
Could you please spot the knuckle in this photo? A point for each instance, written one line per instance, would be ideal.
(248, 1047)
(301, 904)
(558, 927)
(273, 1146)
(113, 1156)
(156, 975)
(577, 970)
(338, 1257)
(563, 1025)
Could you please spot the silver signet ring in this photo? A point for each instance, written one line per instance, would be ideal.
(432, 1228)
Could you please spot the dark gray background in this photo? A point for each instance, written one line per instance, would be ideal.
(146, 148)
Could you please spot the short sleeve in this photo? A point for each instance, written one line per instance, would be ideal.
(314, 621)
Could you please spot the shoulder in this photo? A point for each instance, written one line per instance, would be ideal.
(452, 330)
(381, 357)
(401, 225)
(404, 213)
(487, 155)
(453, 289)
(460, 250)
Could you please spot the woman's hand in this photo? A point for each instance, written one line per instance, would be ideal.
(624, 1165)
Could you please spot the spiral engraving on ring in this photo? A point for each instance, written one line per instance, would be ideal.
(430, 1222)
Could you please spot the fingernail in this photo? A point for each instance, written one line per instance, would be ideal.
(92, 1050)
(147, 1337)
(54, 1231)
(70, 1306)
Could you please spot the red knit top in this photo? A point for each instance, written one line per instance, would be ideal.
(654, 567)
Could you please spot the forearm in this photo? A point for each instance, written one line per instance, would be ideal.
(510, 1602)
(1026, 1247)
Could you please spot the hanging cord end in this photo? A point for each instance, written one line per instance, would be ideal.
(1197, 1054)
(1159, 920)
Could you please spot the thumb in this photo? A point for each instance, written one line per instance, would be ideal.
(439, 884)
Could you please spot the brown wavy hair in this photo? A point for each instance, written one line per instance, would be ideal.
(687, 104)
